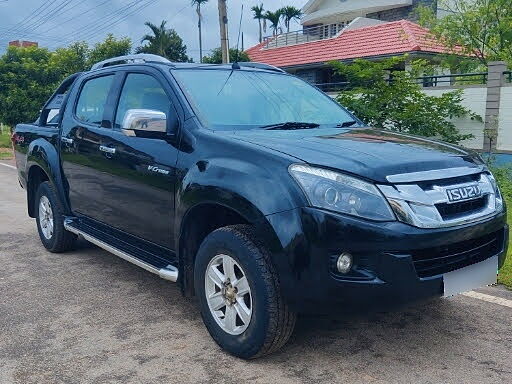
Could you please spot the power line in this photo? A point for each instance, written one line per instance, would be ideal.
(120, 19)
(29, 17)
(91, 27)
(119, 15)
(78, 15)
(149, 3)
(50, 13)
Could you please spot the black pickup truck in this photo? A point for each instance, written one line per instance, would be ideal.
(257, 193)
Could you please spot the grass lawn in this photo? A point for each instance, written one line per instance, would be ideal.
(5, 144)
(5, 138)
(505, 275)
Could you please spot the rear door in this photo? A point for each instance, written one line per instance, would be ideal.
(85, 127)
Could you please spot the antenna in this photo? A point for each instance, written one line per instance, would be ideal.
(237, 57)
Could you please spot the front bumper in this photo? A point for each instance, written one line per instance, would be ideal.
(395, 263)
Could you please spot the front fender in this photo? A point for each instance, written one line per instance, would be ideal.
(253, 191)
(43, 154)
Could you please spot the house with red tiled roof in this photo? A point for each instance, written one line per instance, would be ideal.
(348, 29)
(307, 54)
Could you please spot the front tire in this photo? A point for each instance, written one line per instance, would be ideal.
(50, 220)
(239, 296)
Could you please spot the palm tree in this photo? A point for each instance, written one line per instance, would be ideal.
(290, 13)
(164, 42)
(274, 18)
(197, 4)
(258, 14)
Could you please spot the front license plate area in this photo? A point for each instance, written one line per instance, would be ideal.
(471, 277)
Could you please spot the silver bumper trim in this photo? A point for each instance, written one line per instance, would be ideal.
(435, 174)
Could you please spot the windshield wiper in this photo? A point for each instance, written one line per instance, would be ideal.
(291, 125)
(347, 124)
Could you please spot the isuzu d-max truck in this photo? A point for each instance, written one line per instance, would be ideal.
(257, 193)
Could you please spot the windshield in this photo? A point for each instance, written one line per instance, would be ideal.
(239, 99)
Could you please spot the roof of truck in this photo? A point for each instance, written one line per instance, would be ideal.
(141, 59)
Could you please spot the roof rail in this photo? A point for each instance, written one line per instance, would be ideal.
(251, 64)
(141, 57)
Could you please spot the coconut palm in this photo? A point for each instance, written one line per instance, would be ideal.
(274, 18)
(258, 14)
(197, 4)
(164, 42)
(290, 13)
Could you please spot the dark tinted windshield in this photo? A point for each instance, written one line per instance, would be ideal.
(239, 99)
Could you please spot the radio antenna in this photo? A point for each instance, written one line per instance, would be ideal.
(237, 56)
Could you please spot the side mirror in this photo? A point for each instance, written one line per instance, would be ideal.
(144, 122)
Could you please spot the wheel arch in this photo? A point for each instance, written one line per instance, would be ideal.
(43, 164)
(211, 215)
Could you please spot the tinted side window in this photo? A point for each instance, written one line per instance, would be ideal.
(92, 99)
(142, 91)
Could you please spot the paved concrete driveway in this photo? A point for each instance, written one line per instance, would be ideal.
(89, 317)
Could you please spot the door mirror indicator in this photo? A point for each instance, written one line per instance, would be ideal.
(141, 122)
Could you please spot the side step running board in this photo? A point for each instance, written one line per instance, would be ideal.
(169, 273)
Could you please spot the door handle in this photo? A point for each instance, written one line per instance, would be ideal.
(108, 150)
(66, 140)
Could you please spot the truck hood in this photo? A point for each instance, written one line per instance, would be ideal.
(370, 153)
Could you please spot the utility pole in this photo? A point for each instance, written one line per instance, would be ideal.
(224, 39)
(199, 15)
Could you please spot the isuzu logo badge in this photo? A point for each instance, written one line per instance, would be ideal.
(463, 193)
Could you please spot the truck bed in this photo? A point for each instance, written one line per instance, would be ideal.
(24, 135)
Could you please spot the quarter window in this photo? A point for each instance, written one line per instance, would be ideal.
(92, 99)
(142, 91)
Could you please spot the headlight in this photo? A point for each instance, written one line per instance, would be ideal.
(497, 193)
(341, 193)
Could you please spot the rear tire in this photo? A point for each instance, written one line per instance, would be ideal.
(50, 220)
(263, 322)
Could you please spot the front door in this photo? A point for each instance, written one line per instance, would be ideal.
(143, 170)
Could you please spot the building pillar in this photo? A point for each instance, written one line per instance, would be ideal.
(495, 81)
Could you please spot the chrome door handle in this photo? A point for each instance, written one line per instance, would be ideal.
(107, 149)
(66, 140)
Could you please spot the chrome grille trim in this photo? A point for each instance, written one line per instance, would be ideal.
(435, 174)
(417, 206)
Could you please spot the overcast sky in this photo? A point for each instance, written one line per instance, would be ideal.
(91, 20)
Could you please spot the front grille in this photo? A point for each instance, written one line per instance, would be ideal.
(453, 211)
(426, 204)
(439, 260)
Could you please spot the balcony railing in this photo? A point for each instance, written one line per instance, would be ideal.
(334, 87)
(479, 78)
(302, 36)
(508, 76)
(455, 79)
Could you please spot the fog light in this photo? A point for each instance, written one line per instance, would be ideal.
(344, 263)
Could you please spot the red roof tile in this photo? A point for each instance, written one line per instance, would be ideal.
(384, 39)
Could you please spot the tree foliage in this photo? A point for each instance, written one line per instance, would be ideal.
(481, 28)
(28, 76)
(393, 100)
(164, 42)
(216, 56)
(110, 47)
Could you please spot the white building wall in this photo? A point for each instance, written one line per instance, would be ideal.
(505, 120)
(475, 100)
